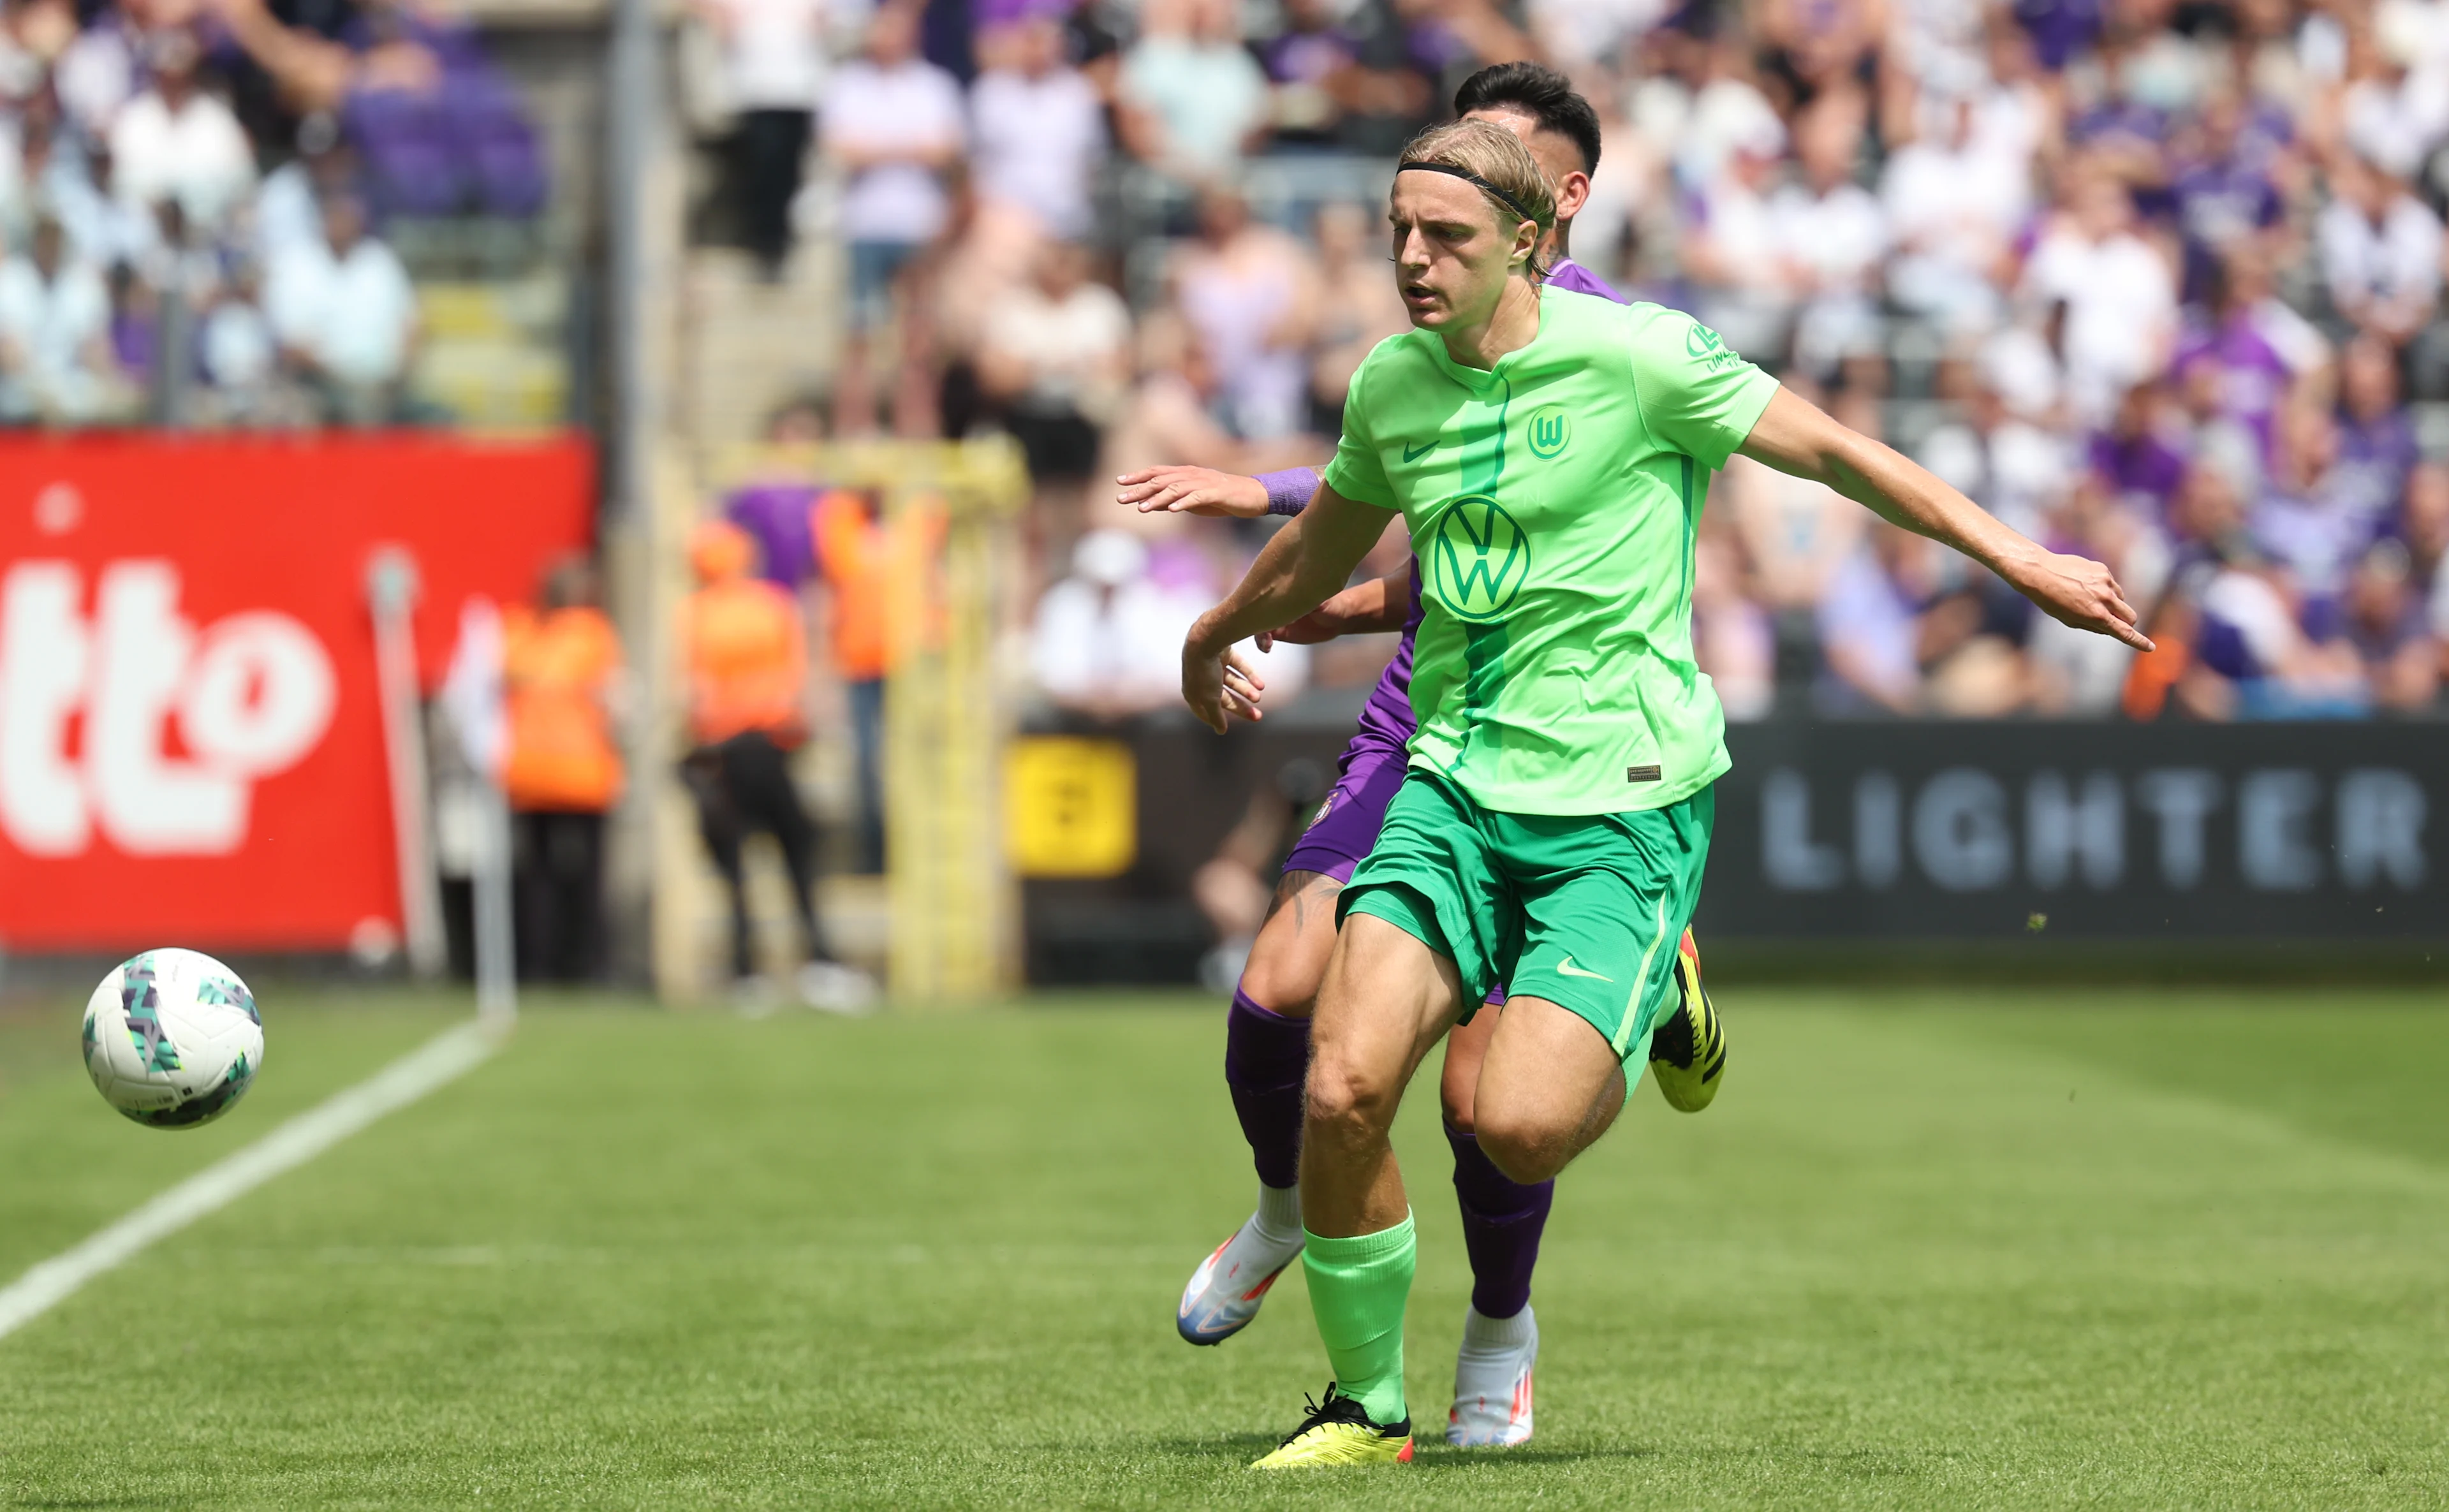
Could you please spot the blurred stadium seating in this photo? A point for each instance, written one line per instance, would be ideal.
(2158, 283)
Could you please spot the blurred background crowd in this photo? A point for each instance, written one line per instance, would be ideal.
(2157, 280)
(210, 208)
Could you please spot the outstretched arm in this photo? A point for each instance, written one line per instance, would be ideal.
(1178, 490)
(1795, 437)
(1308, 559)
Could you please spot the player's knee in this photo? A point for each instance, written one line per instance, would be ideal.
(1524, 1148)
(1278, 986)
(1344, 1095)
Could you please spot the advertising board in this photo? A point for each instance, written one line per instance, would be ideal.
(190, 742)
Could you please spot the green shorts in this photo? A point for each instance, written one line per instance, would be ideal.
(1582, 909)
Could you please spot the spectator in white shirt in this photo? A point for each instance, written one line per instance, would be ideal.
(1733, 251)
(1038, 128)
(1057, 354)
(1107, 637)
(289, 207)
(772, 65)
(240, 355)
(1194, 101)
(346, 315)
(893, 122)
(1251, 293)
(100, 71)
(2391, 115)
(55, 334)
(2119, 292)
(1835, 235)
(1952, 208)
(2381, 251)
(177, 141)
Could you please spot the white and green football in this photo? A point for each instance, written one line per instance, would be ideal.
(172, 1039)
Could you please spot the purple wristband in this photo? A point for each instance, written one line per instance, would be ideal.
(1290, 491)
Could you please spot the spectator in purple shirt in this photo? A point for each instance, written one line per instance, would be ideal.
(2259, 354)
(773, 507)
(2301, 522)
(2384, 620)
(2060, 29)
(2140, 455)
(2377, 448)
(1310, 64)
(2223, 193)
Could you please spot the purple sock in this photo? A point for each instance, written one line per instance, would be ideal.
(1502, 1220)
(1266, 1059)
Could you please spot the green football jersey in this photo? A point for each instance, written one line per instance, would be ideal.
(1551, 504)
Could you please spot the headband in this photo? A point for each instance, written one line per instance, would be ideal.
(1469, 177)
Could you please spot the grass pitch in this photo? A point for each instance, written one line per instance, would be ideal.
(1927, 1250)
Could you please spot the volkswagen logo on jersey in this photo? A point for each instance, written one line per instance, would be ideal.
(1479, 556)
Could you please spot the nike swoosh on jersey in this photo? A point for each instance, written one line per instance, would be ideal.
(1412, 453)
(1567, 968)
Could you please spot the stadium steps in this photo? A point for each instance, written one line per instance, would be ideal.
(495, 354)
(746, 345)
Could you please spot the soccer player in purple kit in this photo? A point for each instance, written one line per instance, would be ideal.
(1266, 1048)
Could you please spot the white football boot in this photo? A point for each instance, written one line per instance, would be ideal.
(1492, 1400)
(829, 986)
(1225, 1291)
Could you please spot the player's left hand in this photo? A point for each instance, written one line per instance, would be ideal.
(1220, 687)
(1192, 490)
(2080, 592)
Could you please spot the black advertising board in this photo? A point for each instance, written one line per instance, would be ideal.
(1965, 830)
(1855, 835)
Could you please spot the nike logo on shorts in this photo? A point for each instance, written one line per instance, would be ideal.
(1567, 968)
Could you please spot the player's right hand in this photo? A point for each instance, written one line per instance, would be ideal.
(1192, 490)
(1379, 605)
(1317, 627)
(1220, 687)
(2080, 592)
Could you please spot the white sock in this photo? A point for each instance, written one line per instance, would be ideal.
(1278, 1220)
(1494, 1335)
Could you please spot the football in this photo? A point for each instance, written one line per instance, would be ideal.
(172, 1039)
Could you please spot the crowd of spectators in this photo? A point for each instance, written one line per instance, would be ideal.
(192, 194)
(2156, 280)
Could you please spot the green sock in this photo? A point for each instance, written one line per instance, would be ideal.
(1358, 1288)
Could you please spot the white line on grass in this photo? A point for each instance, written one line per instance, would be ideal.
(216, 1186)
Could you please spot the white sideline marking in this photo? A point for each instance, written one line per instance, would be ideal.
(216, 1186)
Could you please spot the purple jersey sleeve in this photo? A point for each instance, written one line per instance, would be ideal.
(1290, 491)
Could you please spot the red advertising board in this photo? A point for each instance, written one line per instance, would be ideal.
(191, 748)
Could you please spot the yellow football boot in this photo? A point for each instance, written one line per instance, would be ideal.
(1338, 1431)
(1687, 1051)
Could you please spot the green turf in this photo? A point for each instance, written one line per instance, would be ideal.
(1928, 1251)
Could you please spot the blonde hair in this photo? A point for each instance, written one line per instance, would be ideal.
(1496, 163)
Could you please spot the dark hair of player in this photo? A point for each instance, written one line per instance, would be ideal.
(1539, 92)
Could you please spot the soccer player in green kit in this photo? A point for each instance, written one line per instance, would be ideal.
(1549, 452)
